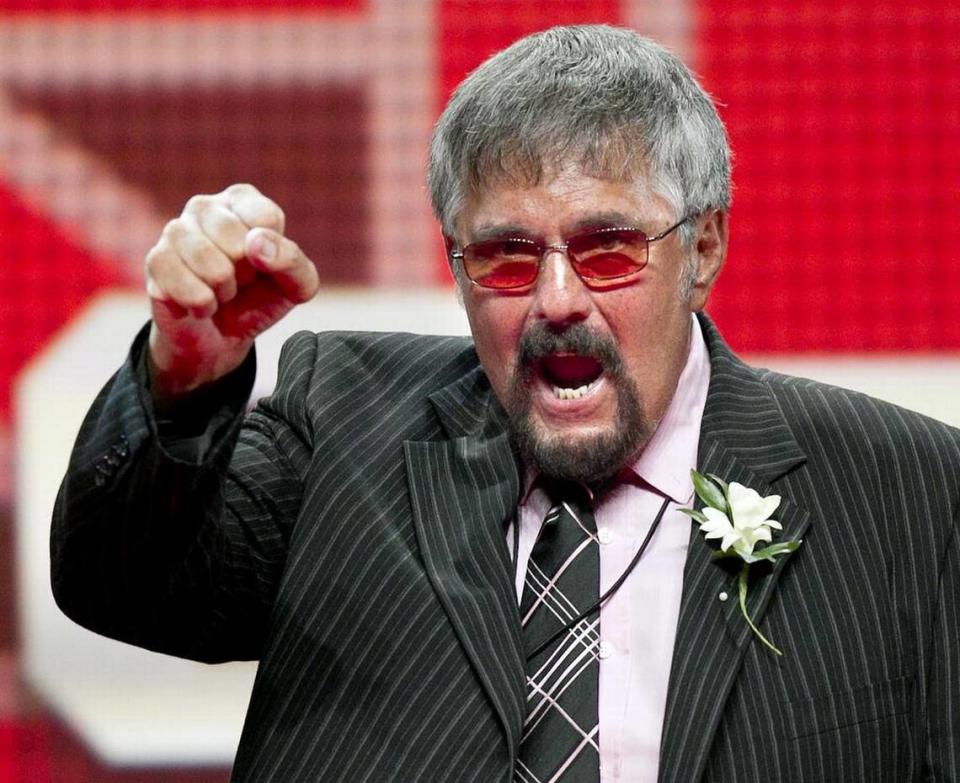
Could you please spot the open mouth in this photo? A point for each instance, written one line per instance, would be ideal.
(570, 375)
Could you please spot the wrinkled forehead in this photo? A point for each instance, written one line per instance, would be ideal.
(496, 196)
(528, 162)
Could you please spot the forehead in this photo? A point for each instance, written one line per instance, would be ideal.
(561, 202)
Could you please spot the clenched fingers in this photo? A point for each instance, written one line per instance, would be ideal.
(225, 217)
(205, 258)
(273, 254)
(224, 229)
(171, 281)
(253, 208)
(220, 244)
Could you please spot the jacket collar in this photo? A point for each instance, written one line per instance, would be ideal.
(744, 437)
(468, 406)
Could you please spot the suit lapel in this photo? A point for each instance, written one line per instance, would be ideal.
(743, 438)
(463, 492)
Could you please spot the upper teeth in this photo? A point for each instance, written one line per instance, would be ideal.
(571, 394)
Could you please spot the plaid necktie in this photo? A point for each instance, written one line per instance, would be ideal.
(560, 739)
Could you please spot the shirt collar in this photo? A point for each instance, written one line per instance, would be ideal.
(668, 458)
(671, 453)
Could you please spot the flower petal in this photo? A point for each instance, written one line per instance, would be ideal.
(770, 504)
(712, 513)
(749, 508)
(729, 540)
(741, 496)
(716, 521)
(746, 505)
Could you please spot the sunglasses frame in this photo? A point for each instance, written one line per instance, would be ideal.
(563, 247)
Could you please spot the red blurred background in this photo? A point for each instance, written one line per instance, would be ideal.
(844, 116)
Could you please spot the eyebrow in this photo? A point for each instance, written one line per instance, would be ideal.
(607, 219)
(502, 231)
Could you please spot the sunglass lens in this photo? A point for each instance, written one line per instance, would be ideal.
(502, 263)
(609, 253)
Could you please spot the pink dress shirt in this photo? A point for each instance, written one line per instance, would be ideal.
(638, 624)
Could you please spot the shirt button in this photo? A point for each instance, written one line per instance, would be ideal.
(604, 535)
(606, 649)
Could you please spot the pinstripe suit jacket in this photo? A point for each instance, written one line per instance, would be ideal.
(353, 541)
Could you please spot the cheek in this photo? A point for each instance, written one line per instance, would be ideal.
(496, 328)
(646, 330)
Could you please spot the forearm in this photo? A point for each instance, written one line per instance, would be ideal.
(141, 544)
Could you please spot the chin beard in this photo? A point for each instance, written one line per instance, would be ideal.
(590, 460)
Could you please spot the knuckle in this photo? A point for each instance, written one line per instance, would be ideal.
(197, 203)
(241, 189)
(255, 208)
(225, 230)
(157, 259)
(150, 259)
(206, 260)
(270, 215)
(174, 230)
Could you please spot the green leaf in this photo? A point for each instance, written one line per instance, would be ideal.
(708, 491)
(725, 488)
(775, 550)
(699, 516)
(723, 484)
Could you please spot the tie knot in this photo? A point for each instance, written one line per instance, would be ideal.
(572, 502)
(572, 492)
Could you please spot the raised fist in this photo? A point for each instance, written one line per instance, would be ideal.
(221, 273)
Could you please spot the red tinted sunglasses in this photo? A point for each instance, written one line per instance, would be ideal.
(598, 256)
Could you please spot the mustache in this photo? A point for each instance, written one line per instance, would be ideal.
(539, 341)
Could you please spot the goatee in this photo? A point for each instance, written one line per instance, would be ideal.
(592, 461)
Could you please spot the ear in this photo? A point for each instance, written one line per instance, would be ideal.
(710, 251)
(448, 245)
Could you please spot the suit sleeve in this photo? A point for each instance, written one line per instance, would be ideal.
(174, 537)
(943, 693)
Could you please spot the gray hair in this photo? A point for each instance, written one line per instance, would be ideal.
(617, 104)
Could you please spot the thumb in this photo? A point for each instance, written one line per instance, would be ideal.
(281, 259)
(261, 244)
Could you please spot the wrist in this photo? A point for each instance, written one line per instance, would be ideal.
(177, 374)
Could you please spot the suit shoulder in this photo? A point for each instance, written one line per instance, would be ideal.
(830, 413)
(332, 383)
(383, 357)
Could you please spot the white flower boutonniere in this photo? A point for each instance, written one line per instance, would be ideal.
(740, 518)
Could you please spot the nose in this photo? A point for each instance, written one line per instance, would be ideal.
(560, 296)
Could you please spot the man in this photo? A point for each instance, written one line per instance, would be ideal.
(377, 532)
